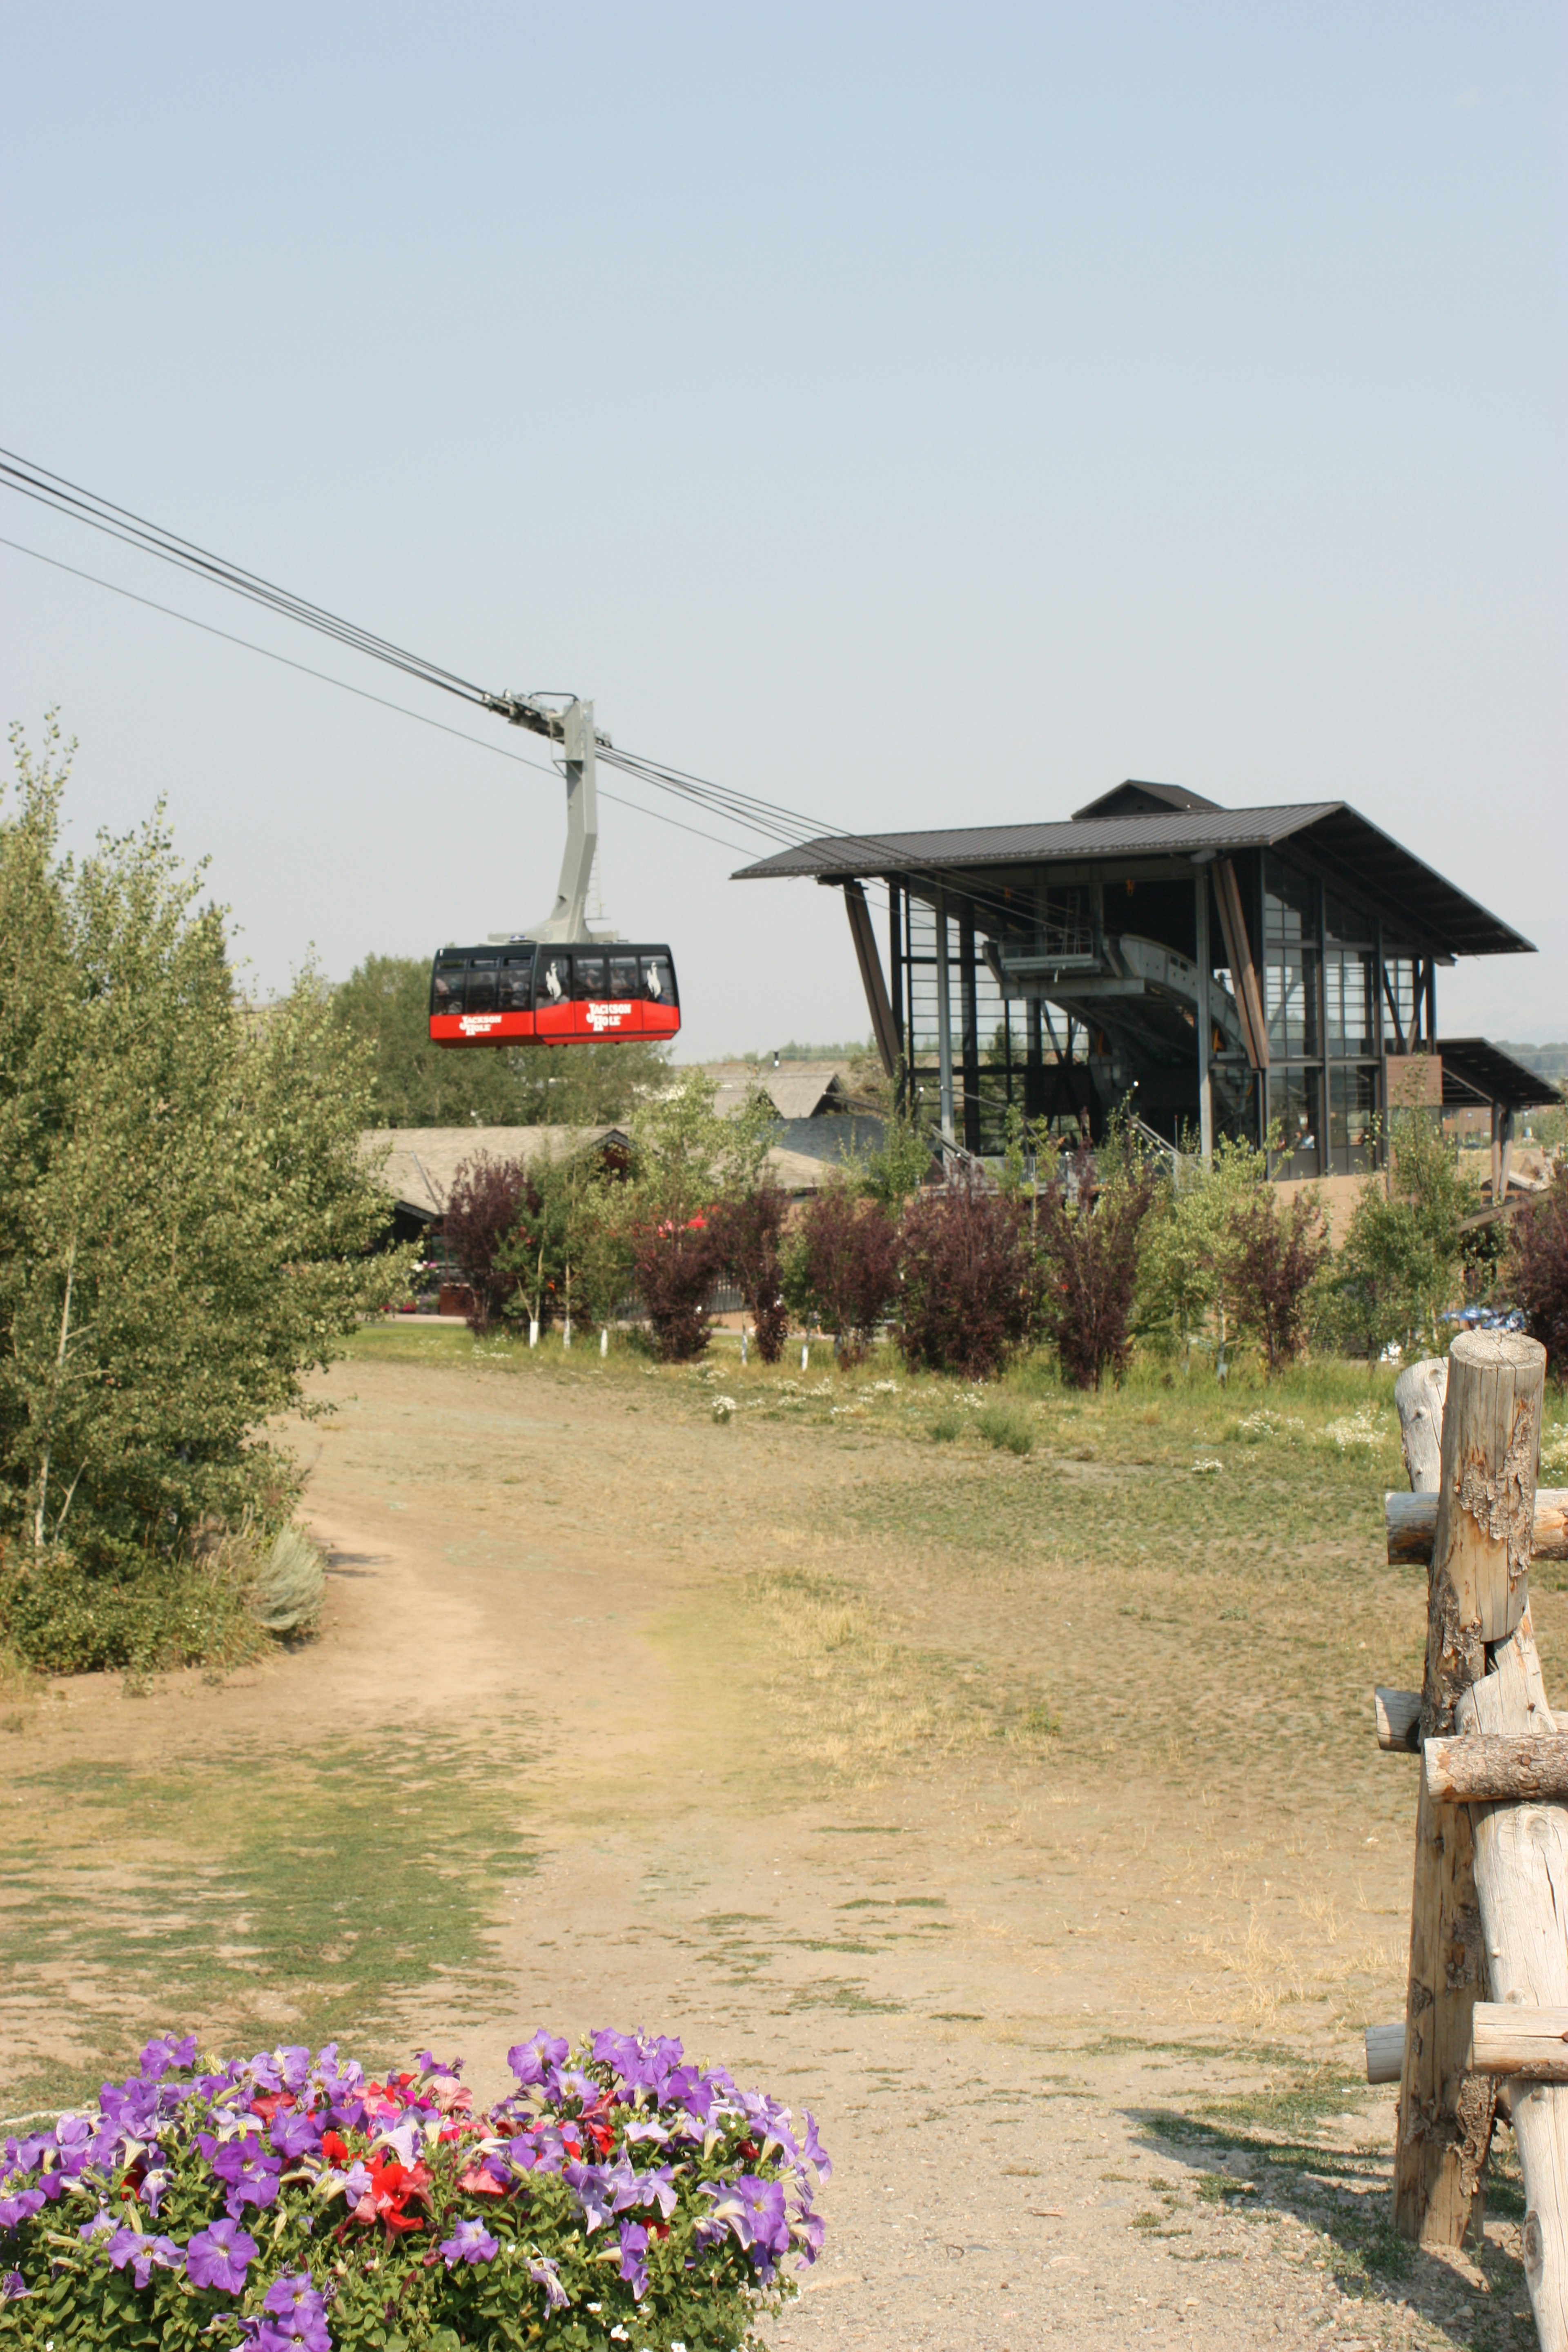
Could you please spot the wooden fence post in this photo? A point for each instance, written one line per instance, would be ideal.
(1477, 1595)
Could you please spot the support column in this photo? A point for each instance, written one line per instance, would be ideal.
(1034, 1066)
(1204, 1020)
(1431, 1003)
(943, 1021)
(971, 1036)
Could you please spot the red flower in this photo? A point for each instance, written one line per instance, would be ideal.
(334, 2147)
(603, 2137)
(391, 2188)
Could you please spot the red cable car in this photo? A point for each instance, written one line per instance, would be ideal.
(520, 992)
(557, 985)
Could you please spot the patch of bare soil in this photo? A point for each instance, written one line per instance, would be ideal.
(1000, 1861)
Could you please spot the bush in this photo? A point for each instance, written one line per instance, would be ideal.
(484, 1202)
(1277, 1255)
(289, 1584)
(946, 1427)
(1538, 1269)
(287, 2202)
(1403, 1263)
(66, 1616)
(1007, 1427)
(1090, 1221)
(846, 1267)
(675, 1267)
(748, 1232)
(968, 1282)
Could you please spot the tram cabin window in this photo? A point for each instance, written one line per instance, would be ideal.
(587, 977)
(515, 992)
(658, 980)
(554, 980)
(483, 978)
(446, 989)
(623, 980)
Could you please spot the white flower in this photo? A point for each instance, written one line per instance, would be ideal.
(723, 1406)
(1201, 1468)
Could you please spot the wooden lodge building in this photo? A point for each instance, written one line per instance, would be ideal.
(1222, 969)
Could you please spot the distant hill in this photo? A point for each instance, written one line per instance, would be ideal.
(1551, 1061)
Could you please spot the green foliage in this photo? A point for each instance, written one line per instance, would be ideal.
(383, 1005)
(1549, 1126)
(185, 1222)
(1403, 1263)
(175, 1611)
(1188, 1263)
(1007, 1427)
(896, 1168)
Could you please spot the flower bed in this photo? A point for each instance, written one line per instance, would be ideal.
(617, 2195)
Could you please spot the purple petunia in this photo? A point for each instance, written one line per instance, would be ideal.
(634, 2257)
(14, 2287)
(470, 2241)
(528, 2060)
(544, 2273)
(219, 2256)
(295, 2316)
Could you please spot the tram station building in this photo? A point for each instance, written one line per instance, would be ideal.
(1216, 970)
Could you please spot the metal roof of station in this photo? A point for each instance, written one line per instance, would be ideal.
(1137, 821)
(1473, 1066)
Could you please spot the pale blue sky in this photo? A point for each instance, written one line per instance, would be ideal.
(911, 414)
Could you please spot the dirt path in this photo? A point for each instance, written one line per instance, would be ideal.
(1075, 2006)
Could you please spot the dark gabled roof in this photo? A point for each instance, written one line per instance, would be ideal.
(1420, 907)
(1473, 1065)
(1136, 799)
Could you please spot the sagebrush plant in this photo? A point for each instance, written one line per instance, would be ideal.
(618, 2195)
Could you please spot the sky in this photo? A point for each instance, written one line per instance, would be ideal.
(909, 415)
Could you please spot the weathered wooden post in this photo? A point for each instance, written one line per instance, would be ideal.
(1478, 1598)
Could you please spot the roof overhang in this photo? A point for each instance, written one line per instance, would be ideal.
(1419, 906)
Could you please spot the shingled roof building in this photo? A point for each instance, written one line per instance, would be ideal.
(1224, 968)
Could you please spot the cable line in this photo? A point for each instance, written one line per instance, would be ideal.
(768, 819)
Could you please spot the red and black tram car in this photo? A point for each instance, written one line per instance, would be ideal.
(525, 994)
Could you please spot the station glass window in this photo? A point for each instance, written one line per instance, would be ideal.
(1401, 1004)
(1350, 979)
(1290, 962)
(1352, 1111)
(1293, 1101)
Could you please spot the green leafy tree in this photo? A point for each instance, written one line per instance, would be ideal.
(384, 1005)
(186, 1220)
(1403, 1263)
(1188, 1258)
